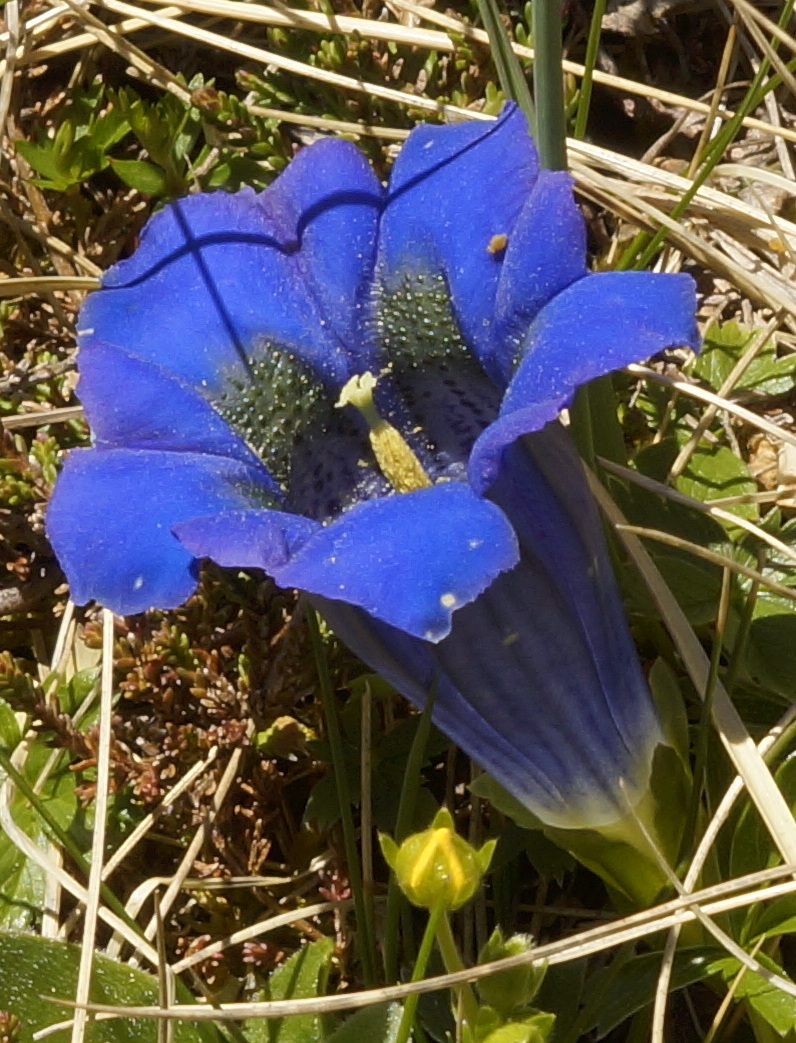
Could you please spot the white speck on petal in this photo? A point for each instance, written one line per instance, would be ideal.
(474, 544)
(448, 600)
(138, 582)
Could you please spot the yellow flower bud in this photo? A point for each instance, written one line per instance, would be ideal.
(437, 867)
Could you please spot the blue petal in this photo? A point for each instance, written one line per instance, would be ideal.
(111, 515)
(452, 190)
(217, 276)
(409, 559)
(600, 323)
(545, 254)
(538, 680)
(139, 405)
(246, 539)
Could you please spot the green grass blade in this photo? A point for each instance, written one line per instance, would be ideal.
(548, 85)
(509, 70)
(592, 46)
(362, 904)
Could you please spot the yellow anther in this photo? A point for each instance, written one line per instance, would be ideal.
(497, 243)
(398, 463)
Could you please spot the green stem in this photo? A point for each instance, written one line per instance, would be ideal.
(509, 70)
(418, 972)
(362, 904)
(406, 811)
(704, 729)
(449, 951)
(741, 638)
(592, 45)
(548, 85)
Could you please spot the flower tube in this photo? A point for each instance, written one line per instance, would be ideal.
(356, 389)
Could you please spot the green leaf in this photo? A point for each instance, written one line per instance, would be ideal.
(775, 1007)
(43, 160)
(670, 704)
(713, 472)
(10, 735)
(752, 849)
(725, 344)
(34, 969)
(549, 860)
(145, 177)
(654, 511)
(303, 975)
(533, 1029)
(485, 786)
(696, 584)
(624, 991)
(377, 1024)
(770, 654)
(72, 693)
(23, 883)
(109, 128)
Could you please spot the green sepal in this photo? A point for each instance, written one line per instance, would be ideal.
(533, 1029)
(622, 854)
(619, 854)
(508, 991)
(389, 849)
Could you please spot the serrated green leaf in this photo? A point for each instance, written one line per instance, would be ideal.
(377, 1024)
(32, 968)
(303, 975)
(109, 128)
(770, 375)
(725, 344)
(42, 159)
(145, 177)
(63, 141)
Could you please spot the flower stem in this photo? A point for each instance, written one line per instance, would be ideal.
(419, 970)
(362, 904)
(406, 811)
(548, 85)
(468, 1005)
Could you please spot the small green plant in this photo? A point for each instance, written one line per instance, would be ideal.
(79, 148)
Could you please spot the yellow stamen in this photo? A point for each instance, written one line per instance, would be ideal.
(497, 243)
(397, 461)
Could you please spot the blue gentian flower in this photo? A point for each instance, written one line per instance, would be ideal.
(333, 382)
